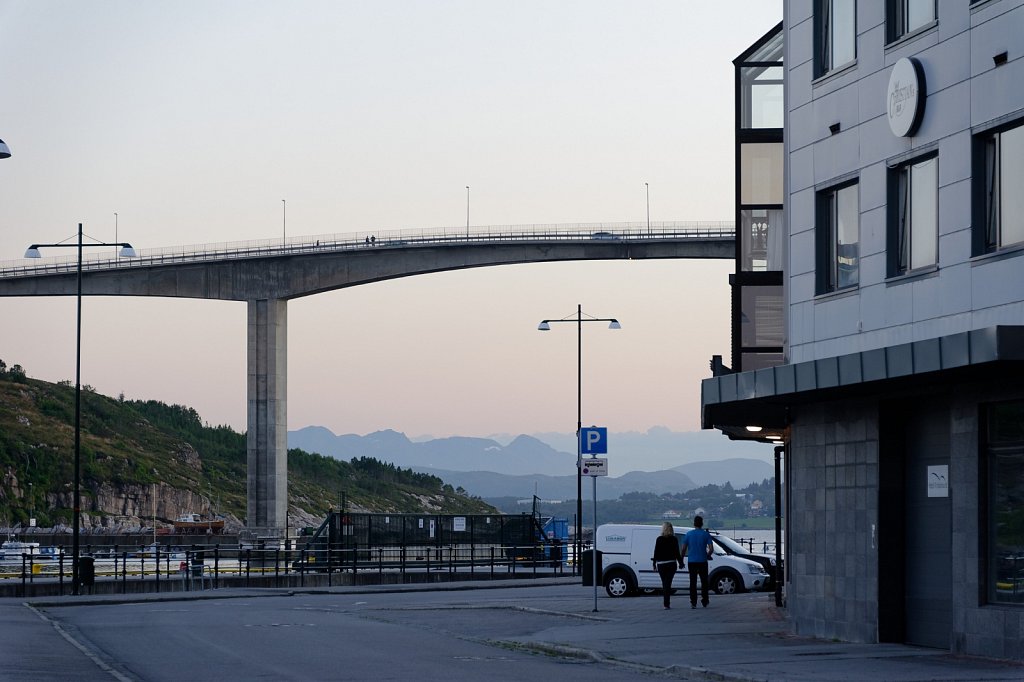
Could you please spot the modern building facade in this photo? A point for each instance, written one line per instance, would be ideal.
(900, 396)
(758, 316)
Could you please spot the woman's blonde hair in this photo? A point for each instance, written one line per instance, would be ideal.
(667, 529)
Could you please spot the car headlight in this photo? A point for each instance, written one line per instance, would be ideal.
(755, 569)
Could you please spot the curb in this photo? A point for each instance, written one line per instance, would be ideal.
(229, 592)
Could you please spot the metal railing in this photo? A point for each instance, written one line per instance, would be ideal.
(147, 569)
(381, 239)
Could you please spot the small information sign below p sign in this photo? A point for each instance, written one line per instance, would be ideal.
(595, 466)
(594, 440)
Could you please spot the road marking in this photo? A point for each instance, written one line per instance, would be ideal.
(81, 647)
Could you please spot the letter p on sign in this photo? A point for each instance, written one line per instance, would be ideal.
(594, 440)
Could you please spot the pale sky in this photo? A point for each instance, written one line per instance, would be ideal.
(192, 120)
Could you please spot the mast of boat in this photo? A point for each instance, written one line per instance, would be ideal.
(154, 515)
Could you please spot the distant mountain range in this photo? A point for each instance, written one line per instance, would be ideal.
(522, 455)
(526, 465)
(488, 484)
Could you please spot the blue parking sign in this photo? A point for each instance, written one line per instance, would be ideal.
(594, 440)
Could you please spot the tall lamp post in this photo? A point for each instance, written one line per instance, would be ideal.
(33, 252)
(545, 325)
(648, 188)
(467, 211)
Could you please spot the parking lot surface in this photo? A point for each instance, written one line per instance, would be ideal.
(502, 630)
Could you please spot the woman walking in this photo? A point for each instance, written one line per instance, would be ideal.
(666, 558)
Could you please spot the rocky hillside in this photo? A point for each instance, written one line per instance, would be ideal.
(143, 461)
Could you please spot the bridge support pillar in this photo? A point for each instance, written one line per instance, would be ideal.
(267, 435)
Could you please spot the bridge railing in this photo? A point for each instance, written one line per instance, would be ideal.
(444, 236)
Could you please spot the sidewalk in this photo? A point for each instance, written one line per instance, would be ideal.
(746, 638)
(739, 637)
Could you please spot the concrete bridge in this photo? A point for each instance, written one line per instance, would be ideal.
(266, 274)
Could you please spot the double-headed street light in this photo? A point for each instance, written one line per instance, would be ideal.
(544, 326)
(33, 252)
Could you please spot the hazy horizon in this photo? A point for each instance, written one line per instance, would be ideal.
(166, 124)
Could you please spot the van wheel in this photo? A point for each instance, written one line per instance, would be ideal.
(726, 581)
(618, 583)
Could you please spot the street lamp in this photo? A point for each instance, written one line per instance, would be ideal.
(467, 212)
(648, 187)
(545, 325)
(5, 151)
(33, 252)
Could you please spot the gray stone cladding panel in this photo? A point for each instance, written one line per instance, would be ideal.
(834, 578)
(997, 282)
(945, 65)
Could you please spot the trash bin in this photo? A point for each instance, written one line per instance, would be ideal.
(197, 564)
(86, 571)
(587, 567)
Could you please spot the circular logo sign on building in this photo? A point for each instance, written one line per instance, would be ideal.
(905, 97)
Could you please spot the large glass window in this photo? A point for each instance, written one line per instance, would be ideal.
(838, 239)
(762, 97)
(761, 239)
(836, 34)
(1003, 176)
(1005, 459)
(761, 80)
(906, 16)
(914, 216)
(761, 320)
(761, 173)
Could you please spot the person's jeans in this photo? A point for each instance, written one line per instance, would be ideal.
(698, 568)
(667, 572)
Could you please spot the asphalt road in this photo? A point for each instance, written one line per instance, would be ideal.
(505, 630)
(422, 636)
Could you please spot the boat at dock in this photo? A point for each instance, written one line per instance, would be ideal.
(194, 524)
(15, 550)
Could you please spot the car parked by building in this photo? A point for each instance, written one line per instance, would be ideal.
(734, 548)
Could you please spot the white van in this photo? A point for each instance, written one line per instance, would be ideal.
(627, 549)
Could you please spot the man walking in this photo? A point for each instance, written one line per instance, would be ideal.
(698, 549)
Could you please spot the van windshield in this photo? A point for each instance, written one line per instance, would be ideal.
(731, 545)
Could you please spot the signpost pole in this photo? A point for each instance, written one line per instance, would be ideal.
(594, 562)
(594, 441)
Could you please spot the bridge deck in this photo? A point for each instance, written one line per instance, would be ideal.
(93, 259)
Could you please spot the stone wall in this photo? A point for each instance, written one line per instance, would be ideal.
(832, 521)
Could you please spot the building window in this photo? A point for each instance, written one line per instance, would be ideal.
(760, 84)
(762, 323)
(998, 184)
(761, 173)
(835, 23)
(838, 239)
(1005, 509)
(761, 239)
(914, 216)
(906, 16)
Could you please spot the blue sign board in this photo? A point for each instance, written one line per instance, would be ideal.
(594, 441)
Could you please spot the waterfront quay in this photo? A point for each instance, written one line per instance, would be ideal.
(494, 630)
(123, 570)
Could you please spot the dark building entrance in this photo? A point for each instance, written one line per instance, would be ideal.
(915, 526)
